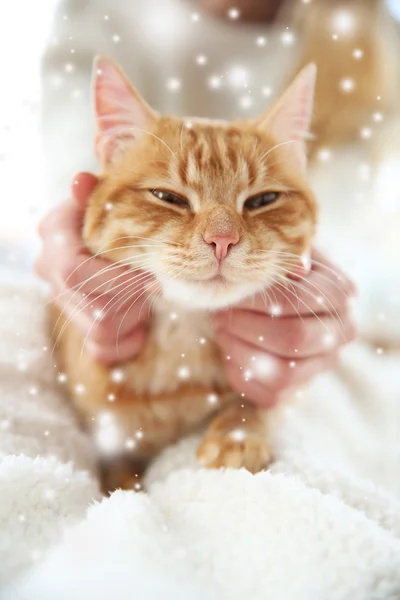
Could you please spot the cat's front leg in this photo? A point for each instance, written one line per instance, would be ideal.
(237, 437)
(121, 472)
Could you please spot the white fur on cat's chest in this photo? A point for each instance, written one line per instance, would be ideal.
(181, 351)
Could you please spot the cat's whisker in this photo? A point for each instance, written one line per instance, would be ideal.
(284, 189)
(296, 309)
(125, 247)
(117, 303)
(264, 156)
(77, 308)
(78, 286)
(274, 164)
(130, 306)
(154, 296)
(105, 312)
(270, 288)
(117, 131)
(168, 274)
(151, 299)
(146, 239)
(126, 262)
(305, 290)
(266, 295)
(80, 308)
(336, 274)
(127, 291)
(181, 137)
(331, 280)
(282, 290)
(106, 269)
(286, 267)
(139, 273)
(330, 312)
(302, 288)
(92, 257)
(282, 285)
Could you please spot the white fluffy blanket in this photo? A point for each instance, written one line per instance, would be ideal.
(323, 523)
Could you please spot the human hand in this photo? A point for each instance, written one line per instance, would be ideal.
(277, 341)
(90, 290)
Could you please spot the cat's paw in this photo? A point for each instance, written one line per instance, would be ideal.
(235, 449)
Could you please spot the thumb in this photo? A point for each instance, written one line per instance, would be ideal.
(82, 186)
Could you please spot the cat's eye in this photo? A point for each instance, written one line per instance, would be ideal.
(170, 197)
(261, 200)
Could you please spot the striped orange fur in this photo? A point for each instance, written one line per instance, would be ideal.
(214, 167)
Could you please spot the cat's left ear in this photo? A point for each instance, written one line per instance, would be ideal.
(121, 113)
(289, 118)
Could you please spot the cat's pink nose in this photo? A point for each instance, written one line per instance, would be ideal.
(222, 243)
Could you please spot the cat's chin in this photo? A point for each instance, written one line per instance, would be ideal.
(210, 295)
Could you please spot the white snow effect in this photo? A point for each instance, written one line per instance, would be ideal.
(343, 22)
(117, 375)
(347, 85)
(265, 368)
(183, 372)
(238, 435)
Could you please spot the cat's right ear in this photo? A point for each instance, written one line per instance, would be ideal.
(121, 113)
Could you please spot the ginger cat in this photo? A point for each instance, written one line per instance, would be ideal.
(215, 212)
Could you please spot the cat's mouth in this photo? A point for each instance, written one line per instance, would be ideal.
(212, 292)
(217, 279)
(214, 280)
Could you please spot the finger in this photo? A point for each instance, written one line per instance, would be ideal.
(83, 184)
(126, 348)
(63, 249)
(58, 260)
(63, 224)
(104, 322)
(319, 293)
(92, 275)
(67, 218)
(288, 337)
(275, 373)
(252, 390)
(61, 228)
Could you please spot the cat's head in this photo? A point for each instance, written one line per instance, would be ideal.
(215, 210)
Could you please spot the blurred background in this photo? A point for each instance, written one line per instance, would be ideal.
(24, 31)
(28, 30)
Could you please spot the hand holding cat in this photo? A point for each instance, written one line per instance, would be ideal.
(274, 342)
(84, 287)
(277, 341)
